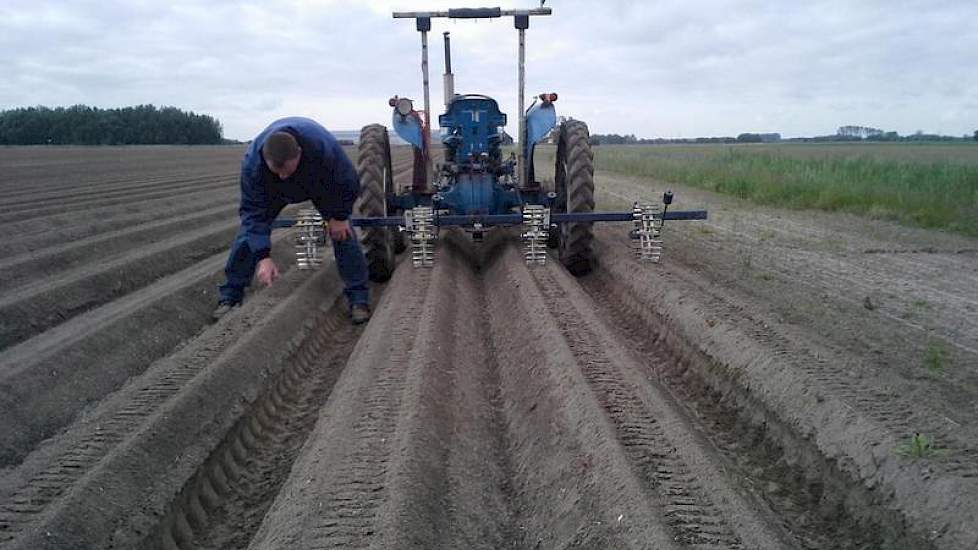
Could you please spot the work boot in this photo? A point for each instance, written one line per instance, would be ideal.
(359, 314)
(223, 308)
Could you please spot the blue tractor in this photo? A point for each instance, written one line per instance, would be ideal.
(477, 186)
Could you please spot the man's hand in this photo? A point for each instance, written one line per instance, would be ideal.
(339, 230)
(267, 271)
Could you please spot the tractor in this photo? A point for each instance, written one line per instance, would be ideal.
(477, 186)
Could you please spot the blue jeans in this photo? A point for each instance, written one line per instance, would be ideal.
(350, 263)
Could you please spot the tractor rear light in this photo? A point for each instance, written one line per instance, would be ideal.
(549, 98)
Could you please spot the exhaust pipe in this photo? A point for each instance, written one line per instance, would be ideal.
(449, 77)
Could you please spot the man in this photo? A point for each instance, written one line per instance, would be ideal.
(294, 160)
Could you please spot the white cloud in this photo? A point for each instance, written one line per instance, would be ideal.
(662, 68)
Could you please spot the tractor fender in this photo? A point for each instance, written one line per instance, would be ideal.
(541, 117)
(408, 127)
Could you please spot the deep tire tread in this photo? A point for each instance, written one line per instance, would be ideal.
(574, 177)
(376, 179)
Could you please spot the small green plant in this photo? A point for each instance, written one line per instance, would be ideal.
(935, 359)
(915, 308)
(919, 446)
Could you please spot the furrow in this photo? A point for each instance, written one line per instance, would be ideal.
(104, 346)
(265, 442)
(805, 492)
(61, 230)
(688, 508)
(572, 483)
(405, 453)
(349, 509)
(83, 194)
(14, 270)
(349, 493)
(156, 428)
(103, 433)
(47, 301)
(831, 427)
(113, 199)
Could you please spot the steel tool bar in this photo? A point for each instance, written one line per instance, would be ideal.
(510, 219)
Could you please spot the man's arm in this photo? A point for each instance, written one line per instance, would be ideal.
(254, 211)
(342, 185)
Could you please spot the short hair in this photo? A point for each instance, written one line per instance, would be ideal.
(279, 148)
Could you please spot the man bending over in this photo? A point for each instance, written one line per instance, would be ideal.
(294, 160)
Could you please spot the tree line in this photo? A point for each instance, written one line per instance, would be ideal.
(84, 125)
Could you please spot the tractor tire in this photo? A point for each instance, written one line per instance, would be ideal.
(376, 180)
(400, 239)
(574, 185)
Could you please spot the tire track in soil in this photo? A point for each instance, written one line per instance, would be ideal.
(109, 332)
(884, 408)
(342, 509)
(106, 448)
(824, 396)
(58, 372)
(223, 504)
(806, 493)
(421, 464)
(389, 463)
(698, 507)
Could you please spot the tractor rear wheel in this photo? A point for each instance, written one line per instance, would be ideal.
(376, 180)
(574, 185)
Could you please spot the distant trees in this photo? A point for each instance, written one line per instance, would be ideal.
(613, 139)
(749, 138)
(976, 135)
(861, 132)
(759, 138)
(84, 125)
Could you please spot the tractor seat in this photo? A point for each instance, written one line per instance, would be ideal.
(473, 125)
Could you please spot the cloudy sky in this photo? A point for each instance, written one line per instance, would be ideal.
(673, 68)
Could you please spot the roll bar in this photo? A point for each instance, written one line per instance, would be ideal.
(521, 20)
(471, 13)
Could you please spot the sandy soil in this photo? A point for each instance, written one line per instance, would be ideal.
(753, 390)
(829, 320)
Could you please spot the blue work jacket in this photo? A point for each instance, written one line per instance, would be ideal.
(325, 176)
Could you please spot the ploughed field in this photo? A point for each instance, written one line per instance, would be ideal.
(759, 388)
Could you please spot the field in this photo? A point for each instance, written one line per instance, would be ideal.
(927, 185)
(784, 378)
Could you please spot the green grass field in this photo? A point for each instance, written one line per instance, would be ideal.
(926, 185)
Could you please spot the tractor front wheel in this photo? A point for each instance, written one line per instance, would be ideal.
(376, 180)
(574, 185)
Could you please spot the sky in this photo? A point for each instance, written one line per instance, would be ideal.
(662, 68)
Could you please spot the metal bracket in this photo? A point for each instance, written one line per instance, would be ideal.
(536, 218)
(419, 223)
(309, 239)
(647, 234)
